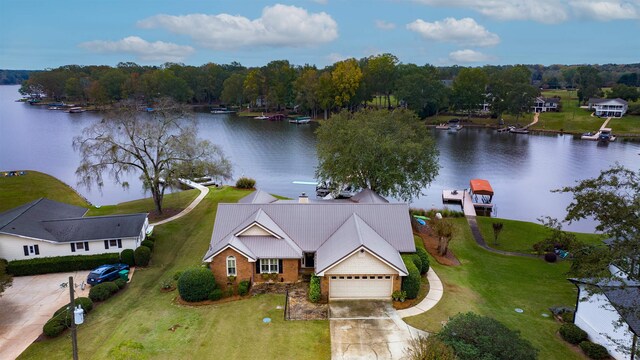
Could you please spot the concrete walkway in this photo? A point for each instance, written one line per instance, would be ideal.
(436, 290)
(203, 192)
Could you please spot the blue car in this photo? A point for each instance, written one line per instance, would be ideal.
(105, 273)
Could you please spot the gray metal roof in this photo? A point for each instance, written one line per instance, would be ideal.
(269, 247)
(599, 101)
(54, 221)
(258, 197)
(350, 236)
(310, 225)
(368, 196)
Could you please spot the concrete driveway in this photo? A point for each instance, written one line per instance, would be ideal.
(368, 329)
(26, 306)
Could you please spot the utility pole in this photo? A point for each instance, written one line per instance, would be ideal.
(74, 339)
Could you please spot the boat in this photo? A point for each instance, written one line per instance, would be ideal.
(221, 110)
(455, 128)
(76, 110)
(442, 127)
(519, 131)
(55, 108)
(506, 129)
(300, 120)
(606, 136)
(261, 117)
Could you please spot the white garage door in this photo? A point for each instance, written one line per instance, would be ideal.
(360, 287)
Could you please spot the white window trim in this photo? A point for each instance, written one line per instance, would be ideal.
(235, 266)
(269, 264)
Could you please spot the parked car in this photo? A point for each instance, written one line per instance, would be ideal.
(105, 273)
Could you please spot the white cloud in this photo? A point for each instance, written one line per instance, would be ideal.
(468, 56)
(381, 24)
(606, 10)
(144, 50)
(279, 26)
(463, 31)
(546, 11)
(335, 57)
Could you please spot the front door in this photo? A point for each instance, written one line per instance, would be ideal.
(309, 260)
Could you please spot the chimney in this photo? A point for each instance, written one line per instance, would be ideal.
(303, 199)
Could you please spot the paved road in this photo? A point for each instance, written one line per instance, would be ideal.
(26, 306)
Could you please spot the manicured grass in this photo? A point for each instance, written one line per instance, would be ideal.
(520, 236)
(178, 200)
(19, 190)
(144, 314)
(494, 285)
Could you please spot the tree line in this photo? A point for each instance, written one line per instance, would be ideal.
(379, 80)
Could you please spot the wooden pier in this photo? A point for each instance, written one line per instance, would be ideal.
(480, 189)
(467, 205)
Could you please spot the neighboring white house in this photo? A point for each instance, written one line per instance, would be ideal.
(543, 104)
(45, 228)
(608, 107)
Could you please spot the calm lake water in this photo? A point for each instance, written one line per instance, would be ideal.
(521, 168)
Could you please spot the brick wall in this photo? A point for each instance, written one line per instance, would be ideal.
(244, 268)
(290, 271)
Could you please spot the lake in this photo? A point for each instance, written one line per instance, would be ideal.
(521, 168)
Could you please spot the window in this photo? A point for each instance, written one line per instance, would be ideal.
(113, 242)
(268, 266)
(80, 246)
(231, 266)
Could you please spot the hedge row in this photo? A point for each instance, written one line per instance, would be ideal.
(69, 263)
(411, 283)
(105, 290)
(62, 318)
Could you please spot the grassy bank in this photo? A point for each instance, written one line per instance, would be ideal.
(144, 314)
(494, 285)
(18, 190)
(173, 201)
(520, 236)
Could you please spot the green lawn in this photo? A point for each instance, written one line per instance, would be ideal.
(494, 285)
(143, 314)
(520, 236)
(18, 190)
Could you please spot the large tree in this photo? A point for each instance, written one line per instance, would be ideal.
(469, 89)
(589, 83)
(346, 77)
(389, 152)
(161, 147)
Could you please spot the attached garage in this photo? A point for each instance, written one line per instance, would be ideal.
(360, 287)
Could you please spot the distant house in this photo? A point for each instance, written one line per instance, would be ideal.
(353, 245)
(45, 228)
(608, 107)
(543, 104)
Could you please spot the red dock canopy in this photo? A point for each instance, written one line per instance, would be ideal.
(481, 187)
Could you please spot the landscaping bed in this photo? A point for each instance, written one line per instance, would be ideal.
(431, 244)
(300, 308)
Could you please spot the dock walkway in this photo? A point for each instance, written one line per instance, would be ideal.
(467, 205)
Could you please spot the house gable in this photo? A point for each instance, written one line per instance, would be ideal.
(255, 229)
(361, 261)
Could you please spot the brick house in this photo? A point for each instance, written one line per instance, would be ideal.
(353, 245)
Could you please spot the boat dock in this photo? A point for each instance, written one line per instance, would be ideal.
(596, 136)
(462, 197)
(480, 189)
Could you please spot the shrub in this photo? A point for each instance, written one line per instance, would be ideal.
(429, 348)
(424, 259)
(479, 337)
(216, 294)
(112, 287)
(101, 292)
(54, 327)
(314, 289)
(126, 257)
(196, 284)
(416, 261)
(594, 351)
(550, 257)
(245, 183)
(56, 264)
(567, 316)
(572, 334)
(243, 287)
(411, 283)
(142, 256)
(84, 302)
(120, 283)
(399, 296)
(148, 243)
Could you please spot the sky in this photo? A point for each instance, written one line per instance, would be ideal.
(43, 34)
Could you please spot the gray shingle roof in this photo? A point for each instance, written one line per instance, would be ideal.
(58, 222)
(599, 101)
(368, 196)
(350, 236)
(310, 225)
(258, 197)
